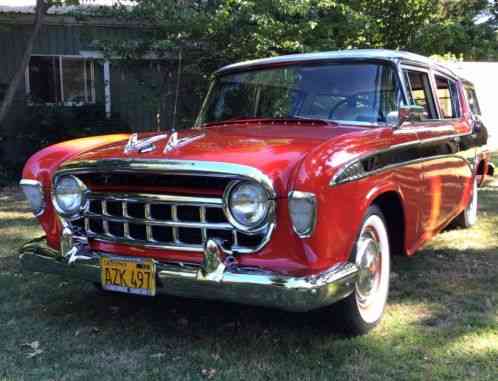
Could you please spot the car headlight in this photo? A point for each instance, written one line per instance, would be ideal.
(69, 195)
(302, 209)
(248, 205)
(34, 193)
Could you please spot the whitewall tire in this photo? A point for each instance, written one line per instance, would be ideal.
(363, 309)
(468, 217)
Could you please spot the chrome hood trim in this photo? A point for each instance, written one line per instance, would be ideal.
(180, 167)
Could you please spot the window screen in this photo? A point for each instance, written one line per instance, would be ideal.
(56, 79)
(44, 79)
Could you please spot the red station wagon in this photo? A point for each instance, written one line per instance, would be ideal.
(301, 177)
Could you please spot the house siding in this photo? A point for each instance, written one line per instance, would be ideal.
(71, 39)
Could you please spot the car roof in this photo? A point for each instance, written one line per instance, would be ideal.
(351, 54)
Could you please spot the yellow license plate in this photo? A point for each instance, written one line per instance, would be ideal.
(135, 276)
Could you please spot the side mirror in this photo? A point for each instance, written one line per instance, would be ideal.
(410, 113)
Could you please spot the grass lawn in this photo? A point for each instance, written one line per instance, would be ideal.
(441, 322)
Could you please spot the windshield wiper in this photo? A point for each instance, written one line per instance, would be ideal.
(305, 119)
(267, 120)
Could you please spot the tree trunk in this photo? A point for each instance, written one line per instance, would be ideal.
(40, 11)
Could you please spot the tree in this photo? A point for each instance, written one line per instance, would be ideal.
(41, 8)
(213, 33)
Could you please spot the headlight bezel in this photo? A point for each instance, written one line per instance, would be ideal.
(70, 215)
(311, 199)
(38, 188)
(258, 226)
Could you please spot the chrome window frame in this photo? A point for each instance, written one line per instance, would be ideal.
(407, 89)
(435, 90)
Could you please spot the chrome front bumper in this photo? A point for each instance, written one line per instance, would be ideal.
(211, 280)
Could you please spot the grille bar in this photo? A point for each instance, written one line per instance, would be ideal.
(165, 221)
(173, 223)
(160, 198)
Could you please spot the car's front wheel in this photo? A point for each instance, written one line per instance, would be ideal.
(363, 309)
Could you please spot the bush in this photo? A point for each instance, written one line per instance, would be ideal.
(42, 126)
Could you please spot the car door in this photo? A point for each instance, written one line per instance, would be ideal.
(438, 146)
(456, 172)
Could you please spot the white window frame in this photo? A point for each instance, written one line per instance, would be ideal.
(89, 92)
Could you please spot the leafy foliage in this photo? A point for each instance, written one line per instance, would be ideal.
(199, 36)
(225, 31)
(45, 125)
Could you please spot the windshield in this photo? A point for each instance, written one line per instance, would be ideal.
(351, 92)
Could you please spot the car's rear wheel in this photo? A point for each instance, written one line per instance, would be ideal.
(363, 309)
(468, 217)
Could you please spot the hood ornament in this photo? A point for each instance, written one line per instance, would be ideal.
(174, 142)
(142, 145)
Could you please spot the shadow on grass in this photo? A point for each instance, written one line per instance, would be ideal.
(442, 306)
(429, 278)
(75, 318)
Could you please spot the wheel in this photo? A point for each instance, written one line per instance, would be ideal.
(363, 309)
(468, 217)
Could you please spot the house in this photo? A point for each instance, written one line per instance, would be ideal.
(67, 71)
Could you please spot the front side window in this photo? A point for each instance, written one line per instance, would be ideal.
(419, 91)
(349, 92)
(56, 79)
(447, 94)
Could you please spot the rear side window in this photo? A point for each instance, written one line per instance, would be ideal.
(419, 91)
(471, 95)
(447, 94)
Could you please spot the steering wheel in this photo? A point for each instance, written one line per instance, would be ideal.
(336, 106)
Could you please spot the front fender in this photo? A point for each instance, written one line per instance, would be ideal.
(342, 207)
(42, 165)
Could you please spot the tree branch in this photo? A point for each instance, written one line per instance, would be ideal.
(42, 7)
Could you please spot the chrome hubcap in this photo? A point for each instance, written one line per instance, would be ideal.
(372, 259)
(369, 262)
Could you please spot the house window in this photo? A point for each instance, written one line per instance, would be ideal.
(60, 79)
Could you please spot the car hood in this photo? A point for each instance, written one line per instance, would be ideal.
(273, 148)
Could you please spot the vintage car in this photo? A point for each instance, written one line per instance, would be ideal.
(302, 175)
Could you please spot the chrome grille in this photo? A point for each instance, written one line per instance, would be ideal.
(164, 221)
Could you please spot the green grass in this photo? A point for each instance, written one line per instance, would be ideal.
(441, 322)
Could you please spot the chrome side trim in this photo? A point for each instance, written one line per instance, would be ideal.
(178, 167)
(334, 181)
(36, 184)
(244, 285)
